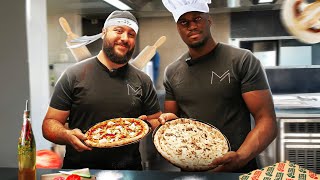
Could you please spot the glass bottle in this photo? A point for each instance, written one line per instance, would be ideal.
(27, 149)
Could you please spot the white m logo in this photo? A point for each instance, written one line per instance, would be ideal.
(222, 77)
(132, 91)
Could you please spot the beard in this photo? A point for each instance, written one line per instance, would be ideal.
(110, 52)
(198, 44)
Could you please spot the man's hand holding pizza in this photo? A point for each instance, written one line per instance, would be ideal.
(75, 138)
(166, 117)
(55, 129)
(231, 161)
(153, 119)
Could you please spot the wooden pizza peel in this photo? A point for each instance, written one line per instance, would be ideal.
(302, 20)
(79, 53)
(82, 52)
(147, 53)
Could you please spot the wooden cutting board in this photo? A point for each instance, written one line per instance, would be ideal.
(53, 175)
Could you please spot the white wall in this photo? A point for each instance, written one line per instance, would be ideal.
(23, 73)
(36, 15)
(14, 78)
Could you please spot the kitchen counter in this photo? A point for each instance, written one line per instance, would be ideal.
(298, 113)
(297, 105)
(12, 174)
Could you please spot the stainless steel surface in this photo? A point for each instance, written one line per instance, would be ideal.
(268, 156)
(12, 174)
(306, 155)
(303, 128)
(299, 142)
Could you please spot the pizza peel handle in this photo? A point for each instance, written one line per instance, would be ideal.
(80, 53)
(65, 25)
(160, 41)
(147, 53)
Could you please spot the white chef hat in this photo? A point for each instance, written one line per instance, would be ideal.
(116, 18)
(179, 7)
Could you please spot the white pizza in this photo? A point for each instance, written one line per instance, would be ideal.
(189, 144)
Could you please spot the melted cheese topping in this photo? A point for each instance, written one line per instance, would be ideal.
(115, 131)
(192, 145)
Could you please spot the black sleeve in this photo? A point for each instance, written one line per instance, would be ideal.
(150, 99)
(167, 86)
(253, 76)
(62, 95)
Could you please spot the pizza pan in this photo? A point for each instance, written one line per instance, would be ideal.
(133, 142)
(155, 131)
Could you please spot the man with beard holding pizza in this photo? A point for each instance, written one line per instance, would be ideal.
(97, 89)
(221, 85)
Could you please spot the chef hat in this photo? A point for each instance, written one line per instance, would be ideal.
(122, 18)
(179, 7)
(116, 18)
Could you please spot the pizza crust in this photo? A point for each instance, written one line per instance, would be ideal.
(189, 144)
(293, 24)
(99, 129)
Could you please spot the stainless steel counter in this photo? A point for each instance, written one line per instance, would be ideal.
(12, 174)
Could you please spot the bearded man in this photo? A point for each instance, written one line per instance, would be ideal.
(100, 88)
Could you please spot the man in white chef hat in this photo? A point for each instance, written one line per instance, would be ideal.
(221, 85)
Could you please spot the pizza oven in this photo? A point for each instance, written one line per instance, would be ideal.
(299, 142)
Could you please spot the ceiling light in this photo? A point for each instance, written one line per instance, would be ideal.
(263, 1)
(118, 4)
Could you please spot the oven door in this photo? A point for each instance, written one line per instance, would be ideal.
(299, 142)
(302, 152)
